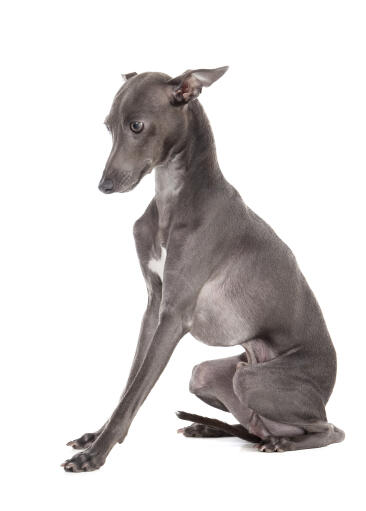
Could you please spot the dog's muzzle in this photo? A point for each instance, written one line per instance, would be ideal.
(106, 186)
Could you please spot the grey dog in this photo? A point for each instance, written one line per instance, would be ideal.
(215, 269)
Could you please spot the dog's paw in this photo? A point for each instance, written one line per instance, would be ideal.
(85, 461)
(201, 431)
(194, 430)
(84, 441)
(274, 444)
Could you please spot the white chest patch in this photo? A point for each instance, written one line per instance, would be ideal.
(157, 265)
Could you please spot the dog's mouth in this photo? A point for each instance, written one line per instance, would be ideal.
(128, 186)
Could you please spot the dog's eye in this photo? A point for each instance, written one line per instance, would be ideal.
(137, 126)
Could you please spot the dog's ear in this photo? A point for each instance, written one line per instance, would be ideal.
(128, 76)
(188, 85)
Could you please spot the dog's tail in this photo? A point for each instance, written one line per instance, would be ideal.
(236, 430)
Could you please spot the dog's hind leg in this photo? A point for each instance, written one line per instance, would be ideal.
(287, 405)
(204, 427)
(276, 404)
(321, 434)
(197, 430)
(212, 382)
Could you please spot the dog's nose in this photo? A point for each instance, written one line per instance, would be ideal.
(106, 186)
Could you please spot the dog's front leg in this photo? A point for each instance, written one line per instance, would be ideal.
(148, 328)
(170, 330)
(168, 333)
(144, 232)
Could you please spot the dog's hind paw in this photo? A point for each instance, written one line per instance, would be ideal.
(201, 431)
(274, 444)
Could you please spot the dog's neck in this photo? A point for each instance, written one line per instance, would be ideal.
(169, 182)
(191, 170)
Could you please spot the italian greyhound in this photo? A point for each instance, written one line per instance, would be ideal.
(215, 269)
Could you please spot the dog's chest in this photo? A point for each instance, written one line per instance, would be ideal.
(156, 265)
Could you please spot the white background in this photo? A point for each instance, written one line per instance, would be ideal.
(289, 121)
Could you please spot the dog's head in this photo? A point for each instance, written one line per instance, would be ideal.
(148, 122)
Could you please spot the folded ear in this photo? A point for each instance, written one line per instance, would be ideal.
(188, 85)
(128, 76)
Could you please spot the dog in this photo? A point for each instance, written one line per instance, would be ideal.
(215, 269)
